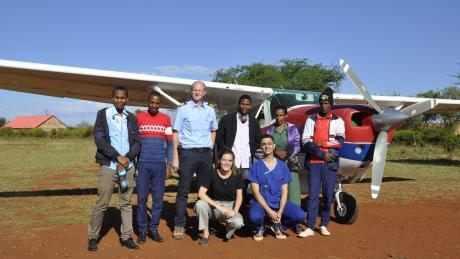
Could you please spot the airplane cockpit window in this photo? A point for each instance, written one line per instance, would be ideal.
(290, 98)
(357, 119)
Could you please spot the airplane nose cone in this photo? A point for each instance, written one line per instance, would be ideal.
(388, 119)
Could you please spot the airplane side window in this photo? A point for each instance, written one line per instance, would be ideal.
(357, 119)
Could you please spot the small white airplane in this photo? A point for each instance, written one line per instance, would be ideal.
(369, 128)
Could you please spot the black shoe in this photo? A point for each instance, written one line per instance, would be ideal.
(129, 243)
(156, 236)
(92, 245)
(141, 237)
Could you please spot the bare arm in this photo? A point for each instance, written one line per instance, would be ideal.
(239, 200)
(284, 195)
(213, 137)
(175, 163)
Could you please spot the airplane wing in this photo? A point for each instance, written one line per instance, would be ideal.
(96, 85)
(399, 102)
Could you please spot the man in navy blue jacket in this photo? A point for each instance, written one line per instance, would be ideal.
(117, 141)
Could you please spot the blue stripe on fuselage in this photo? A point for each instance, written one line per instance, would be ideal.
(357, 151)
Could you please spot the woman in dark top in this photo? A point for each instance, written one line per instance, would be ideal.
(221, 194)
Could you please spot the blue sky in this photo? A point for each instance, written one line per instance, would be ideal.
(395, 46)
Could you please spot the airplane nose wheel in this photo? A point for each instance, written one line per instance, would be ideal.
(347, 212)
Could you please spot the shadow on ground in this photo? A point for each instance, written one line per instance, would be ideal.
(442, 162)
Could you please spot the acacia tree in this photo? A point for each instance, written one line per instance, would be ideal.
(2, 121)
(296, 74)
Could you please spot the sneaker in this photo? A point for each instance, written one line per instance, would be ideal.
(129, 243)
(298, 229)
(178, 233)
(204, 241)
(306, 233)
(323, 230)
(92, 245)
(276, 229)
(259, 236)
(141, 237)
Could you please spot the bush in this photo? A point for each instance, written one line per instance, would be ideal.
(408, 137)
(83, 132)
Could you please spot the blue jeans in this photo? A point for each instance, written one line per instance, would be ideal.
(190, 161)
(292, 215)
(320, 174)
(151, 177)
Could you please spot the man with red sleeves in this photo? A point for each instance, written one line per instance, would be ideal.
(323, 135)
(156, 150)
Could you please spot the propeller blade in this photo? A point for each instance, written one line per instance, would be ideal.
(418, 108)
(378, 164)
(361, 87)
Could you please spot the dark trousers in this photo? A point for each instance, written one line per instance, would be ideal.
(190, 161)
(151, 177)
(320, 174)
(292, 214)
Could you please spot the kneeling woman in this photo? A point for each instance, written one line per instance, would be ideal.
(221, 194)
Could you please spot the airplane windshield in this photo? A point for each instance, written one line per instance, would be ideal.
(290, 98)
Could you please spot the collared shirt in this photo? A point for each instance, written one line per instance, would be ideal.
(118, 132)
(241, 146)
(269, 181)
(280, 139)
(194, 124)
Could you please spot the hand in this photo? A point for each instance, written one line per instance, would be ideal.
(279, 214)
(122, 160)
(282, 154)
(119, 168)
(231, 213)
(273, 216)
(175, 164)
(329, 157)
(168, 171)
(223, 210)
(319, 144)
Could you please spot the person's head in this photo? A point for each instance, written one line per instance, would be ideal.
(267, 143)
(226, 161)
(198, 91)
(244, 103)
(119, 97)
(326, 101)
(154, 102)
(280, 114)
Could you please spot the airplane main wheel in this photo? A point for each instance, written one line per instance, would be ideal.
(349, 212)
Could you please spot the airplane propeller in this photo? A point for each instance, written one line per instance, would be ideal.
(386, 119)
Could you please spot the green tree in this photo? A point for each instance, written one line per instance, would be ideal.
(2, 121)
(296, 74)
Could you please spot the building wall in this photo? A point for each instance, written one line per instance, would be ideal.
(52, 123)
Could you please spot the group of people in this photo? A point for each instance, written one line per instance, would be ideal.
(142, 149)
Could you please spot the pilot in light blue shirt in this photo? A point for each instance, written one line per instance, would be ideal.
(194, 123)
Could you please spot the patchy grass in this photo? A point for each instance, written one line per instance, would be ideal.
(47, 182)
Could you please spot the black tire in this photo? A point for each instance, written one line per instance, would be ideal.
(349, 212)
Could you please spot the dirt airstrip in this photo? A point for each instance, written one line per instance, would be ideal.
(418, 229)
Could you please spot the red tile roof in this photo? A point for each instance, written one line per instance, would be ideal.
(27, 122)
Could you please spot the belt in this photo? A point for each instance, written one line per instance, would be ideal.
(198, 149)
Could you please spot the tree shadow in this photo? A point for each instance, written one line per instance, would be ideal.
(441, 161)
(386, 179)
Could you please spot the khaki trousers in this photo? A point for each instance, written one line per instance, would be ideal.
(107, 180)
